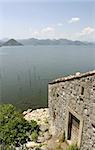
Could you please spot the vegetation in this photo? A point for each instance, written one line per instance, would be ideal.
(73, 147)
(14, 129)
(34, 135)
(34, 125)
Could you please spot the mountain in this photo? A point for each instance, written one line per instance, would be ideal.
(1, 42)
(33, 41)
(11, 42)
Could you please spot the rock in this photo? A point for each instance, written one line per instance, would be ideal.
(32, 144)
(51, 144)
(77, 73)
(36, 148)
(85, 111)
(40, 133)
(26, 112)
(39, 115)
(18, 148)
(44, 127)
(47, 136)
(41, 139)
(44, 147)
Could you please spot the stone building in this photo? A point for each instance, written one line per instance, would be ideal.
(71, 103)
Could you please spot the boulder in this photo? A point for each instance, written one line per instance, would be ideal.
(32, 144)
(44, 127)
(47, 136)
(41, 139)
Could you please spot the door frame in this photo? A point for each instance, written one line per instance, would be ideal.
(70, 111)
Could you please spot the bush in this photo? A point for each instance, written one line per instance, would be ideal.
(34, 135)
(13, 126)
(7, 147)
(34, 125)
(73, 147)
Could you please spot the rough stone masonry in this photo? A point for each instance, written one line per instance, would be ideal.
(71, 102)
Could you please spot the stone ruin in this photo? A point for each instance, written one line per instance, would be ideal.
(71, 102)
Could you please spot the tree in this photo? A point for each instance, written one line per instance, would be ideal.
(14, 129)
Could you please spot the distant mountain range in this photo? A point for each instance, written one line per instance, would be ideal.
(33, 41)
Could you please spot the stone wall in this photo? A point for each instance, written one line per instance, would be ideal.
(76, 92)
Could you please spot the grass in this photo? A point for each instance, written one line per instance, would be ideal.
(72, 147)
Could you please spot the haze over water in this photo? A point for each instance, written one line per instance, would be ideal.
(26, 70)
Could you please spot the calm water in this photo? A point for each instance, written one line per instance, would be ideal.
(25, 71)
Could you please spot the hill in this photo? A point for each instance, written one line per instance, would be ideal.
(1, 42)
(12, 42)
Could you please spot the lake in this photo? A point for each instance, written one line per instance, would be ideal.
(26, 70)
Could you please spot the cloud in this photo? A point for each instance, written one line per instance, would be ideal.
(86, 34)
(44, 32)
(86, 31)
(35, 33)
(47, 30)
(74, 20)
(60, 24)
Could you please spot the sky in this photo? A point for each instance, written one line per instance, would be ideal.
(71, 19)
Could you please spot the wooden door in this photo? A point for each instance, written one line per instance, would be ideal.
(73, 129)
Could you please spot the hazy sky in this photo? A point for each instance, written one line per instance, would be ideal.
(47, 19)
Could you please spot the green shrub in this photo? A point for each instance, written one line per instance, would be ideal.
(34, 125)
(73, 147)
(7, 147)
(34, 135)
(13, 126)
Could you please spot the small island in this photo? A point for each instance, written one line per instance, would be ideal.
(12, 42)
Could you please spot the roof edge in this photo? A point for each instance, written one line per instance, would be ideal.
(74, 76)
